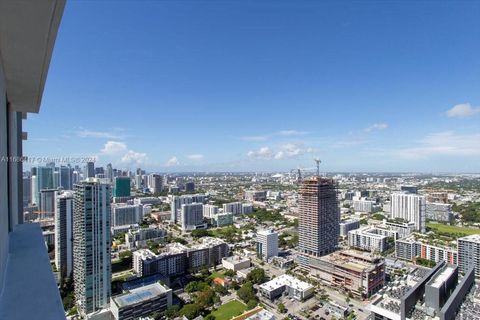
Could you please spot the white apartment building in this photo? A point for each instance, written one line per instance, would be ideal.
(155, 183)
(410, 207)
(192, 216)
(63, 233)
(92, 271)
(124, 214)
(267, 244)
(363, 205)
(209, 211)
(347, 225)
(469, 253)
(234, 207)
(368, 238)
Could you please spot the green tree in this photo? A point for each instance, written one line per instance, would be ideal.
(191, 287)
(220, 289)
(256, 276)
(190, 311)
(251, 304)
(172, 311)
(246, 292)
(281, 308)
(230, 273)
(206, 299)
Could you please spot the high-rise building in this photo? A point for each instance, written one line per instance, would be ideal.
(409, 207)
(44, 178)
(47, 203)
(121, 187)
(155, 183)
(75, 177)
(209, 210)
(409, 189)
(233, 207)
(92, 271)
(319, 217)
(27, 191)
(63, 233)
(109, 173)
(138, 182)
(99, 170)
(192, 216)
(190, 186)
(89, 170)
(56, 178)
(267, 244)
(178, 201)
(469, 253)
(124, 214)
(34, 190)
(66, 177)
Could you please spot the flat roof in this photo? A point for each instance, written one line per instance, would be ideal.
(286, 280)
(442, 276)
(141, 294)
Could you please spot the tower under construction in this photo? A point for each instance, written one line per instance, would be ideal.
(319, 217)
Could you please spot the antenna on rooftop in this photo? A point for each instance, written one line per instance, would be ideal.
(317, 160)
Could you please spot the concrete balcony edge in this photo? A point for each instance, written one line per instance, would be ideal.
(30, 290)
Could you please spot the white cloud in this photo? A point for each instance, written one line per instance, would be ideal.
(463, 110)
(85, 133)
(376, 126)
(173, 161)
(133, 157)
(120, 149)
(444, 144)
(195, 156)
(262, 153)
(283, 133)
(291, 150)
(288, 150)
(292, 133)
(254, 138)
(114, 147)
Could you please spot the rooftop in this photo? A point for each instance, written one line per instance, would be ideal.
(286, 280)
(442, 276)
(471, 238)
(141, 294)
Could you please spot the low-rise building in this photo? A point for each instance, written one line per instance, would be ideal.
(177, 259)
(235, 263)
(360, 273)
(222, 219)
(435, 295)
(286, 284)
(255, 195)
(420, 246)
(141, 302)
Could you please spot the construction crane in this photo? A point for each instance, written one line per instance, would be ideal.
(301, 172)
(317, 160)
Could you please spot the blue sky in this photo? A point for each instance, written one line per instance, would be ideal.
(264, 86)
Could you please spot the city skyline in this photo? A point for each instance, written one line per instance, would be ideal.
(366, 87)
